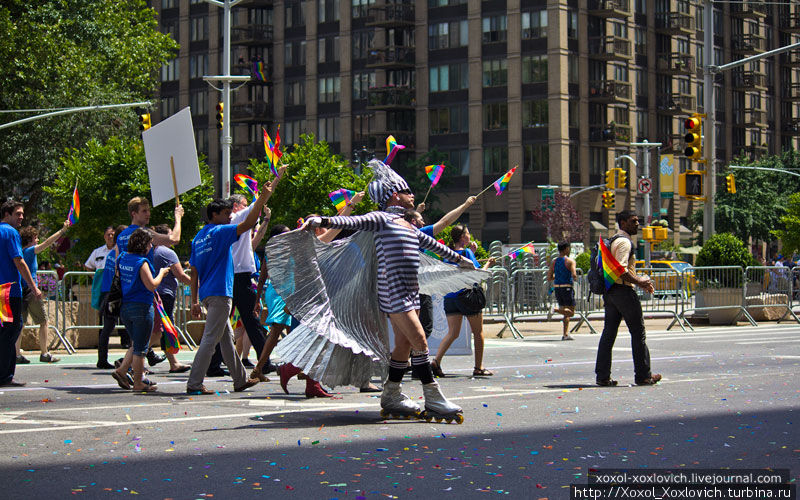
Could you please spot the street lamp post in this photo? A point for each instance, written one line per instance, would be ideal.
(646, 146)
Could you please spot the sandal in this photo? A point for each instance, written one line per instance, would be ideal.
(147, 389)
(481, 372)
(122, 380)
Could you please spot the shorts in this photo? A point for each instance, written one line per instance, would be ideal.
(565, 296)
(454, 307)
(33, 306)
(138, 320)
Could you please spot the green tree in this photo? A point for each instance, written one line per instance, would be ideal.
(109, 175)
(790, 235)
(68, 53)
(413, 171)
(313, 172)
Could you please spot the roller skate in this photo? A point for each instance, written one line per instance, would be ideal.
(437, 407)
(395, 404)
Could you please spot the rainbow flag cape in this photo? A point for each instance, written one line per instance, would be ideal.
(524, 249)
(6, 316)
(248, 183)
(434, 254)
(434, 173)
(272, 150)
(501, 183)
(391, 149)
(612, 269)
(170, 332)
(74, 207)
(341, 197)
(258, 71)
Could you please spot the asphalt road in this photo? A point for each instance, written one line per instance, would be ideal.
(728, 400)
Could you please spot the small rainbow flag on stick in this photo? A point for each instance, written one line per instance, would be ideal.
(528, 248)
(434, 173)
(612, 269)
(501, 183)
(75, 206)
(171, 341)
(248, 183)
(341, 197)
(6, 316)
(391, 149)
(273, 150)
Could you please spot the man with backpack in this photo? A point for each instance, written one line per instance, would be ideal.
(621, 301)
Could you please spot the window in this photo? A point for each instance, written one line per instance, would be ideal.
(400, 77)
(169, 4)
(534, 69)
(198, 65)
(495, 73)
(640, 41)
(201, 140)
(295, 53)
(291, 131)
(598, 160)
(198, 28)
(294, 14)
(641, 81)
(295, 93)
(495, 159)
(328, 10)
(572, 112)
(170, 70)
(572, 68)
(171, 28)
(198, 101)
(574, 159)
(641, 125)
(495, 29)
(448, 35)
(444, 3)
(572, 24)
(449, 77)
(450, 120)
(259, 16)
(169, 106)
(400, 120)
(363, 41)
(329, 89)
(328, 129)
(535, 158)
(328, 49)
(361, 8)
(535, 113)
(459, 161)
(361, 83)
(534, 24)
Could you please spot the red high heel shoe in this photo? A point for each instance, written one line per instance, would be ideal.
(314, 390)
(287, 371)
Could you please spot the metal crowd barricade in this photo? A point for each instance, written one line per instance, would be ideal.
(795, 298)
(48, 284)
(182, 317)
(768, 288)
(530, 295)
(716, 290)
(497, 299)
(668, 296)
(584, 303)
(75, 294)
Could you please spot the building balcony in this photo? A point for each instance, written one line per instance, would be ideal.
(391, 98)
(675, 23)
(791, 126)
(391, 57)
(391, 15)
(610, 92)
(377, 139)
(791, 59)
(749, 80)
(677, 104)
(252, 111)
(753, 151)
(619, 9)
(256, 3)
(750, 118)
(748, 43)
(792, 92)
(749, 9)
(251, 34)
(610, 135)
(242, 152)
(676, 63)
(790, 22)
(610, 48)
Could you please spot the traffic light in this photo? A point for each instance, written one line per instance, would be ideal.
(730, 180)
(608, 199)
(690, 184)
(220, 114)
(611, 179)
(144, 122)
(693, 137)
(623, 178)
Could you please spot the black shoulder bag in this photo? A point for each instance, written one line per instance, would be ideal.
(113, 302)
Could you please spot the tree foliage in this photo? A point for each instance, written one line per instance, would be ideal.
(724, 249)
(109, 175)
(562, 222)
(413, 171)
(790, 234)
(69, 53)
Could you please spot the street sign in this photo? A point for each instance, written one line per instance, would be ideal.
(644, 186)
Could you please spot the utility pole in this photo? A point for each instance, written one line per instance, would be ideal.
(226, 78)
(645, 145)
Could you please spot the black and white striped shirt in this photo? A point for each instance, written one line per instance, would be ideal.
(397, 249)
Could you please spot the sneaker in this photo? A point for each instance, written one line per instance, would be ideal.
(153, 359)
(48, 358)
(651, 380)
(607, 383)
(22, 360)
(567, 337)
(104, 365)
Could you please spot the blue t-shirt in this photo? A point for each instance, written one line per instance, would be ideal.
(108, 271)
(468, 253)
(133, 289)
(212, 256)
(29, 256)
(10, 249)
(427, 230)
(124, 236)
(162, 257)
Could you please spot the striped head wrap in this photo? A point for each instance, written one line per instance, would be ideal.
(385, 182)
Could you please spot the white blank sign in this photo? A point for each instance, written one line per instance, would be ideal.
(462, 346)
(173, 137)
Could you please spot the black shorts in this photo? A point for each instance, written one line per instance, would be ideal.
(453, 307)
(565, 296)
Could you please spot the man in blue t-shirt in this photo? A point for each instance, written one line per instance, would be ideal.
(211, 264)
(139, 208)
(12, 270)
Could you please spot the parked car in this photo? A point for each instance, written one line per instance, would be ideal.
(666, 277)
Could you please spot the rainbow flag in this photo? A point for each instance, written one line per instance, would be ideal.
(341, 197)
(273, 153)
(612, 269)
(501, 183)
(6, 316)
(236, 319)
(170, 332)
(434, 173)
(248, 183)
(75, 207)
(525, 249)
(391, 149)
(300, 221)
(258, 71)
(434, 254)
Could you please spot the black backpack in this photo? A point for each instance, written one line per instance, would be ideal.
(597, 284)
